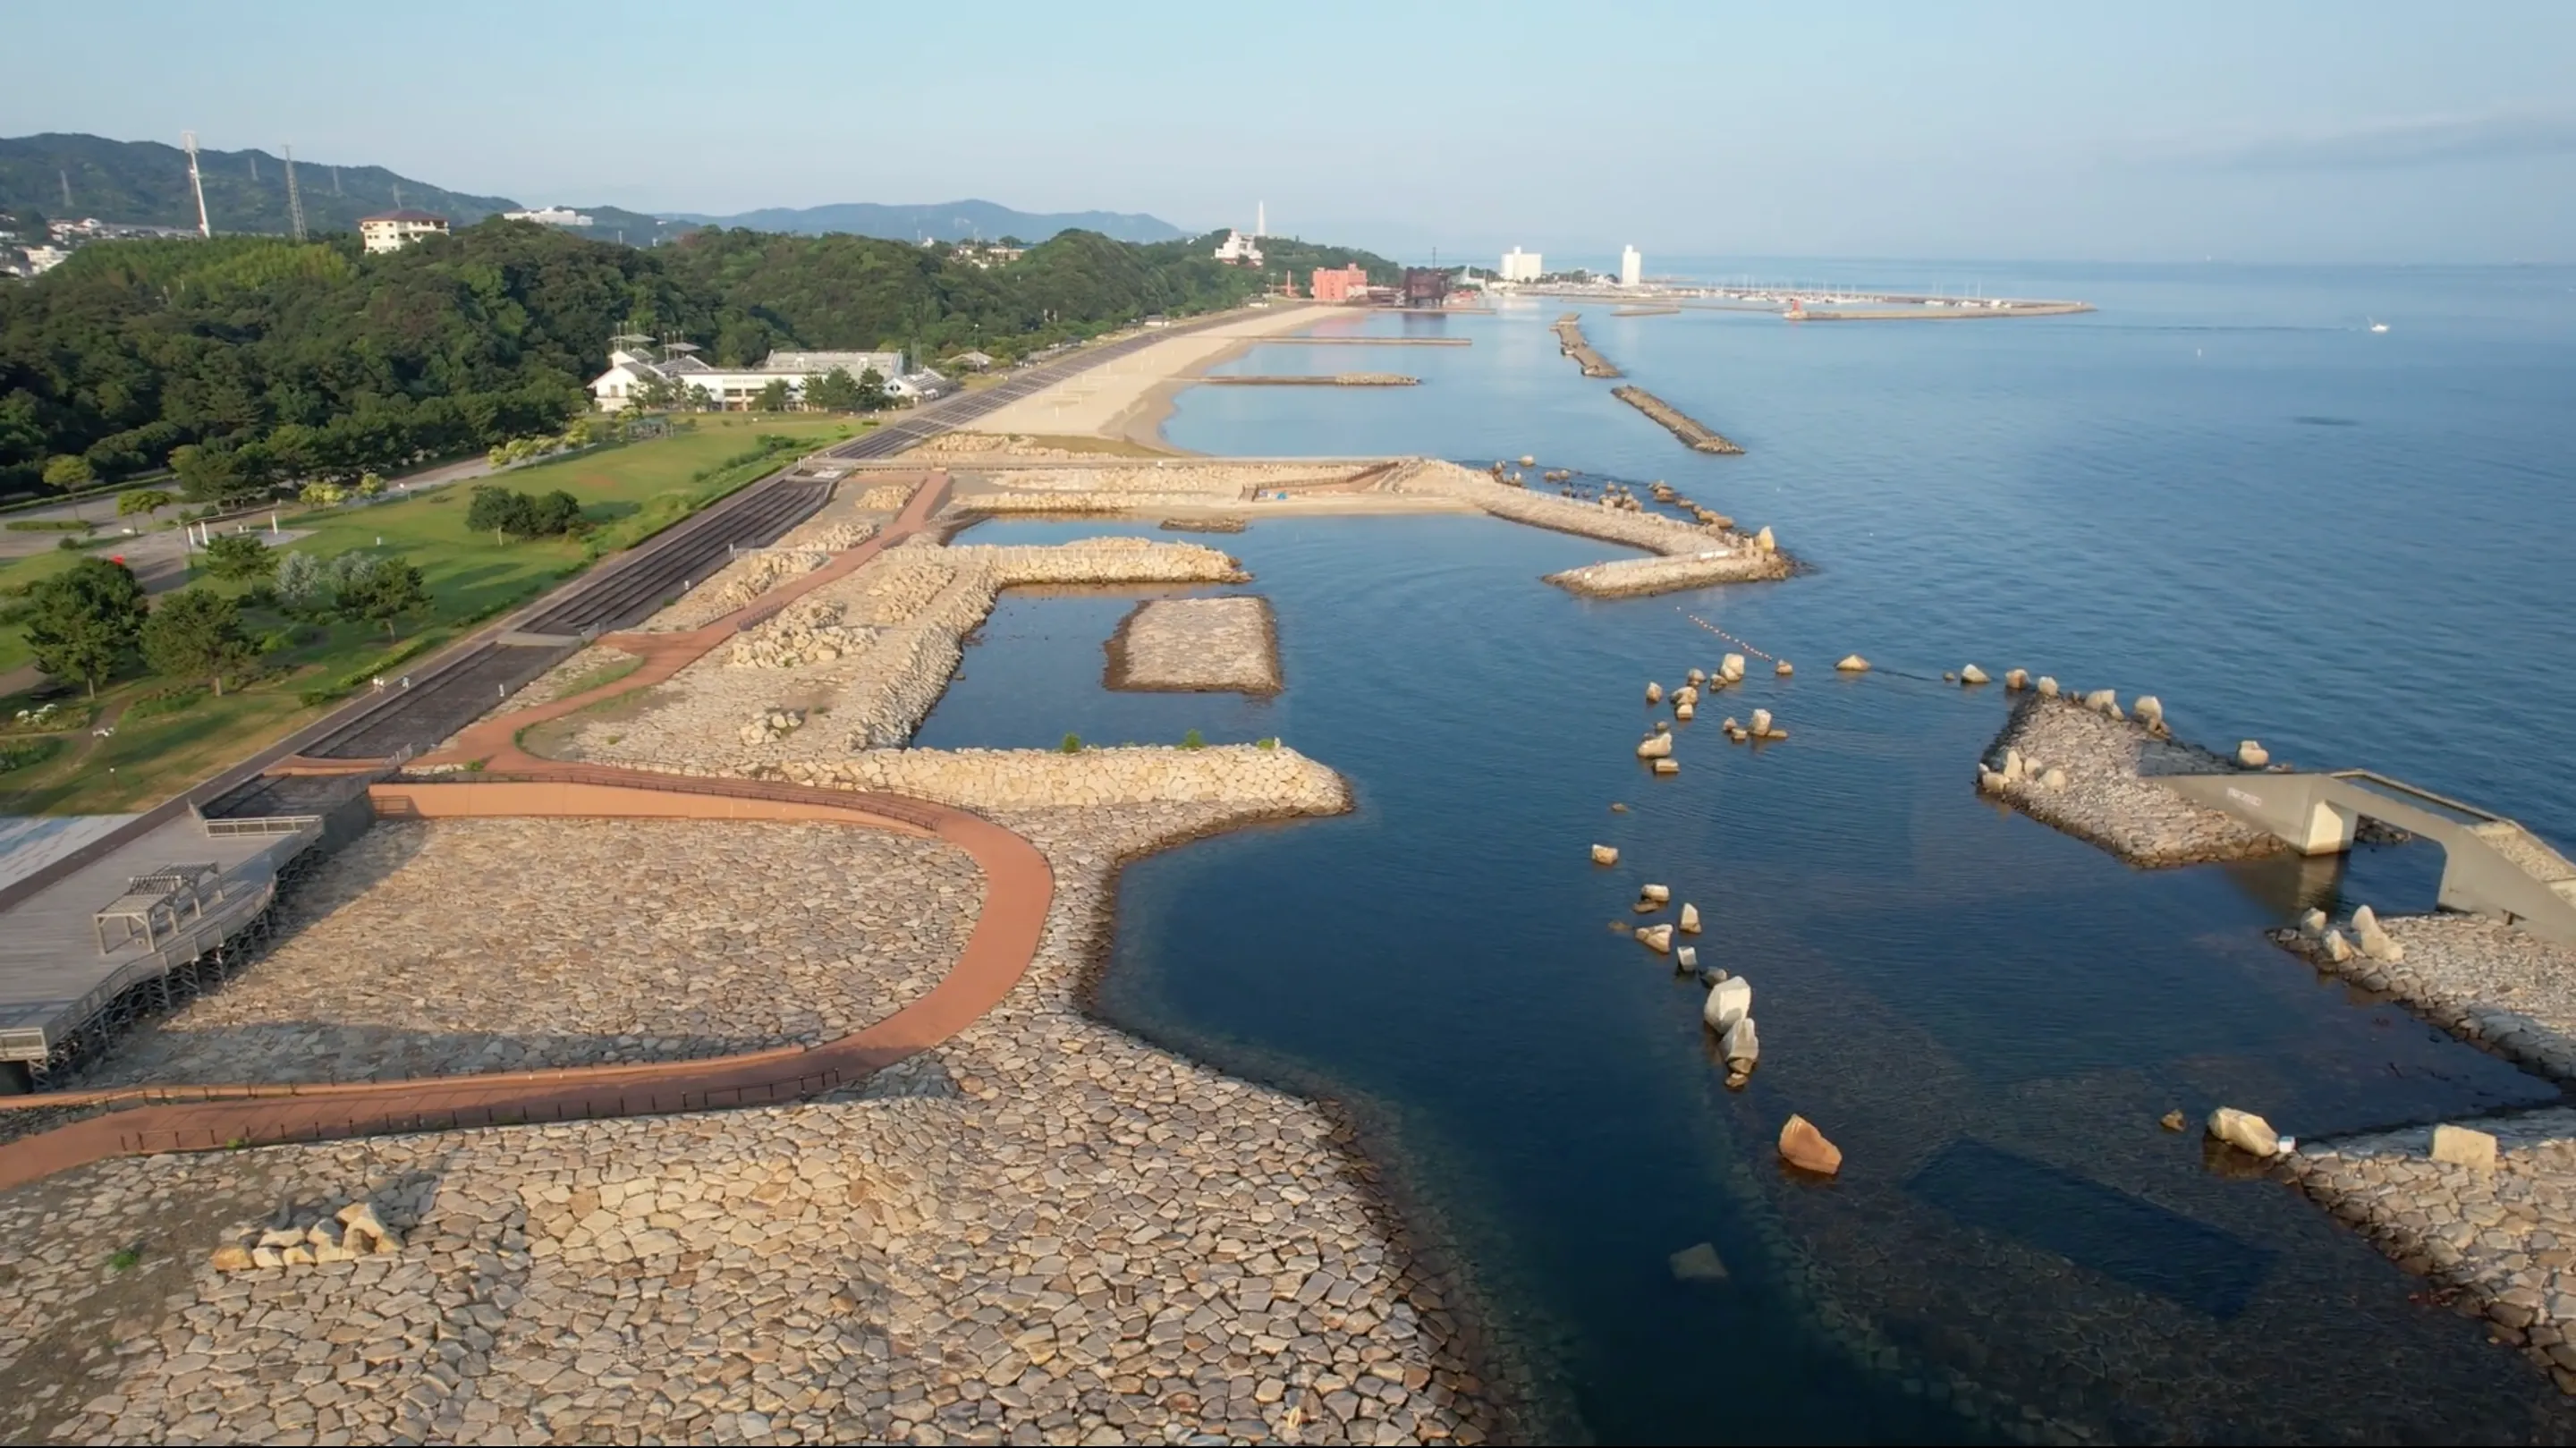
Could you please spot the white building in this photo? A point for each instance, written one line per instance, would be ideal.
(735, 389)
(394, 230)
(1632, 267)
(42, 259)
(1238, 250)
(550, 216)
(1521, 266)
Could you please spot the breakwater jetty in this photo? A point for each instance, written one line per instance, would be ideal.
(1689, 429)
(1317, 379)
(1569, 340)
(1647, 312)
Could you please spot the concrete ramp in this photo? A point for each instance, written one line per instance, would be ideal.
(2491, 865)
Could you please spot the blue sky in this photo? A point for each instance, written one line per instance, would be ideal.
(2248, 132)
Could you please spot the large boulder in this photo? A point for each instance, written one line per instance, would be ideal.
(2245, 1131)
(1687, 694)
(2047, 687)
(1972, 675)
(1656, 894)
(2105, 702)
(1853, 664)
(2462, 1146)
(1761, 724)
(1731, 668)
(2252, 755)
(1686, 958)
(1668, 766)
(1657, 938)
(2017, 680)
(2052, 778)
(2149, 710)
(2374, 937)
(1605, 854)
(1740, 1047)
(2337, 948)
(1655, 746)
(1729, 1001)
(1697, 1264)
(1804, 1147)
(1654, 693)
(1690, 918)
(1765, 542)
(1684, 711)
(1782, 668)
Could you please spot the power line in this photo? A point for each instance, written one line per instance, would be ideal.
(294, 201)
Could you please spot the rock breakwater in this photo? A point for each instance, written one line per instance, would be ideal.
(2091, 774)
(1219, 645)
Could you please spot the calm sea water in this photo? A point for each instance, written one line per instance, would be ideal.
(2222, 489)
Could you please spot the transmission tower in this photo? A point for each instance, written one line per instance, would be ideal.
(294, 201)
(196, 183)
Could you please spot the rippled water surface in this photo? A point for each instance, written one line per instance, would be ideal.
(2220, 489)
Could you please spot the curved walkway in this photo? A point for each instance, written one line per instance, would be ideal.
(1018, 891)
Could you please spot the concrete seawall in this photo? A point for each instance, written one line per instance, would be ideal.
(1569, 340)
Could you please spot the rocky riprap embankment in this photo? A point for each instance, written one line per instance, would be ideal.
(866, 657)
(848, 520)
(1693, 557)
(1197, 645)
(1042, 1231)
(2092, 775)
(513, 944)
(2477, 977)
(2502, 1235)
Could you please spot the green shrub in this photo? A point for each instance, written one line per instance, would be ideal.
(168, 701)
(1192, 740)
(1270, 743)
(1072, 744)
(21, 753)
(49, 525)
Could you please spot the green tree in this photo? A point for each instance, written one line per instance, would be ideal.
(70, 472)
(554, 513)
(142, 500)
(872, 394)
(235, 556)
(386, 590)
(84, 622)
(505, 511)
(195, 633)
(834, 391)
(776, 395)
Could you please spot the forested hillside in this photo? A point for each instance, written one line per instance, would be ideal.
(247, 360)
(145, 183)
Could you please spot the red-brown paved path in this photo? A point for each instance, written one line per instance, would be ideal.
(1018, 889)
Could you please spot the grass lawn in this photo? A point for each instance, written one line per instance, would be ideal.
(629, 492)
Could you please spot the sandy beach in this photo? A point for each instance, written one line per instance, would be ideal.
(1129, 399)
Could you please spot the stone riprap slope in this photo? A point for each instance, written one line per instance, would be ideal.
(580, 672)
(1276, 779)
(1693, 556)
(859, 663)
(1045, 1232)
(2506, 1235)
(1216, 645)
(2092, 776)
(2476, 977)
(510, 944)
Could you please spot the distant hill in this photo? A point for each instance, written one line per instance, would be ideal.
(145, 183)
(945, 221)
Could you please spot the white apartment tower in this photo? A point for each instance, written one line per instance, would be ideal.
(1632, 267)
(1522, 266)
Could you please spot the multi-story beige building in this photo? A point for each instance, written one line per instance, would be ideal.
(394, 230)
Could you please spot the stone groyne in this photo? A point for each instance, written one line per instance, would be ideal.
(1700, 436)
(1691, 557)
(1569, 341)
(2091, 774)
(1196, 645)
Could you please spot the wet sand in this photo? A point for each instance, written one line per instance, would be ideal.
(1131, 397)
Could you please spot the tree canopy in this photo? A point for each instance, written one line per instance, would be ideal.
(195, 632)
(85, 622)
(245, 362)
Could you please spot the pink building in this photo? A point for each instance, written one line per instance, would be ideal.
(1340, 286)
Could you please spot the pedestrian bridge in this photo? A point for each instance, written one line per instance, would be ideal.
(2491, 865)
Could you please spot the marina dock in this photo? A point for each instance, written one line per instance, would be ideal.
(1699, 435)
(1569, 340)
